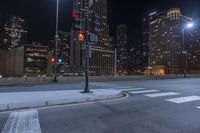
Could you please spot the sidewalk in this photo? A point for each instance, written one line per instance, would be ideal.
(21, 100)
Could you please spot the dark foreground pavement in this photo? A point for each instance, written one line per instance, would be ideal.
(137, 114)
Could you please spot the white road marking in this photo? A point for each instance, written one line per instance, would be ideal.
(122, 87)
(145, 91)
(198, 107)
(23, 122)
(161, 94)
(184, 99)
(133, 89)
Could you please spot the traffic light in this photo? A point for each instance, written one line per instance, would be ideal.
(53, 59)
(76, 20)
(59, 60)
(81, 36)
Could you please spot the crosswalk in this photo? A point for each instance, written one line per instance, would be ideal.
(28, 121)
(23, 122)
(174, 97)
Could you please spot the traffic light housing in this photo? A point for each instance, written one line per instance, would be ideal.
(76, 20)
(82, 36)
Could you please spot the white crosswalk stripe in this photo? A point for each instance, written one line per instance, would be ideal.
(184, 99)
(143, 91)
(132, 89)
(121, 87)
(23, 122)
(162, 94)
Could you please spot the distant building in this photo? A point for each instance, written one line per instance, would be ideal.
(192, 43)
(14, 32)
(64, 53)
(112, 42)
(1, 31)
(30, 60)
(135, 60)
(147, 18)
(165, 41)
(122, 49)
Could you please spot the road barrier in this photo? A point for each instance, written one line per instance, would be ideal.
(71, 79)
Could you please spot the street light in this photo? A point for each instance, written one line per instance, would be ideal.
(187, 26)
(56, 42)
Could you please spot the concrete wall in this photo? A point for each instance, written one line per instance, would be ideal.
(3, 55)
(32, 80)
(15, 62)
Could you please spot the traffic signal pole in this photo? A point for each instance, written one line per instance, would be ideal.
(88, 39)
(86, 67)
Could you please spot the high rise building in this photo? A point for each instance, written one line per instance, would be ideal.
(135, 63)
(192, 43)
(122, 48)
(147, 18)
(15, 32)
(64, 52)
(1, 31)
(165, 41)
(102, 54)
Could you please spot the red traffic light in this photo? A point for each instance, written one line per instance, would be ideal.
(74, 14)
(53, 60)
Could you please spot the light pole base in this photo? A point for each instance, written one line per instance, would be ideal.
(55, 80)
(86, 92)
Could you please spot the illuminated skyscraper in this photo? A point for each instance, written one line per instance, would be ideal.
(15, 32)
(192, 43)
(122, 48)
(165, 41)
(102, 54)
(147, 18)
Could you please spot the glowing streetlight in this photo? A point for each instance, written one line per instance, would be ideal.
(190, 25)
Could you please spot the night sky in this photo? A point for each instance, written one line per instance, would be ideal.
(40, 15)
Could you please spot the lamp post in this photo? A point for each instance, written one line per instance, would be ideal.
(188, 26)
(56, 42)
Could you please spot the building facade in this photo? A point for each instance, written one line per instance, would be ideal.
(192, 43)
(64, 53)
(147, 18)
(102, 54)
(165, 41)
(30, 60)
(122, 49)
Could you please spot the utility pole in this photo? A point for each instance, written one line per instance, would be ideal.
(56, 43)
(115, 62)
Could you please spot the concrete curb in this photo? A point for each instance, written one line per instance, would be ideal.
(32, 105)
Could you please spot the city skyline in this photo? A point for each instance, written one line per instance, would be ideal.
(44, 30)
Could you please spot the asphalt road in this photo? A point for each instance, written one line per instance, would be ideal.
(153, 106)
